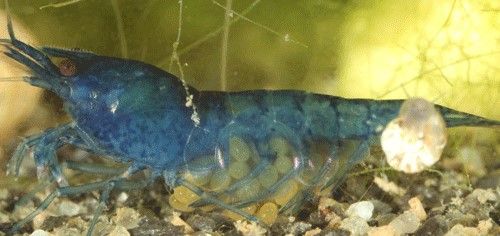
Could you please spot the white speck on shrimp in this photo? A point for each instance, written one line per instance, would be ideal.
(114, 106)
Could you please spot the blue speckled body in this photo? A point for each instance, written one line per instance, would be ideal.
(136, 113)
(139, 114)
(137, 119)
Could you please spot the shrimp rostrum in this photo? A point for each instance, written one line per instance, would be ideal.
(231, 150)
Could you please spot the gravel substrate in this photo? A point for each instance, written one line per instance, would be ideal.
(374, 200)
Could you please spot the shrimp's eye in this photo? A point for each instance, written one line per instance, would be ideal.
(67, 67)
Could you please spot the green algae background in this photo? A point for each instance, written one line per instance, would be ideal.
(446, 51)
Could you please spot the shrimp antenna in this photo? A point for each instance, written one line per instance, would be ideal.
(14, 79)
(10, 29)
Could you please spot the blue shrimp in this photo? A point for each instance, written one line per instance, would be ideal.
(138, 114)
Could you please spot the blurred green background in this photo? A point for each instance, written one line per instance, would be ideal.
(446, 50)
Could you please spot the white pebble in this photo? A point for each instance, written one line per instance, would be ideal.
(40, 232)
(127, 217)
(68, 208)
(406, 223)
(472, 161)
(249, 228)
(356, 225)
(119, 231)
(122, 197)
(388, 186)
(363, 209)
(483, 195)
(461, 230)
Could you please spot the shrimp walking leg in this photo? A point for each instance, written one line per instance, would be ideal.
(92, 168)
(208, 198)
(361, 150)
(44, 148)
(292, 206)
(106, 186)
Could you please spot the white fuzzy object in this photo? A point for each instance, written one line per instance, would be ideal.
(363, 209)
(415, 139)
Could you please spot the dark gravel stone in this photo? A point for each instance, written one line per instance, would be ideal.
(491, 180)
(495, 215)
(467, 220)
(334, 232)
(233, 232)
(53, 222)
(381, 208)
(4, 227)
(472, 206)
(280, 227)
(433, 226)
(299, 228)
(430, 197)
(153, 226)
(202, 223)
(385, 219)
(222, 223)
(317, 219)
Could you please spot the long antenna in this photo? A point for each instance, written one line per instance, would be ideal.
(10, 29)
